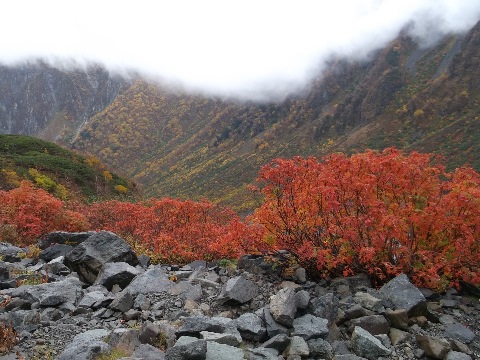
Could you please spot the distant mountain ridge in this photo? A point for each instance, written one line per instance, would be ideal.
(191, 146)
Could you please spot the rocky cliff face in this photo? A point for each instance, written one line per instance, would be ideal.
(38, 99)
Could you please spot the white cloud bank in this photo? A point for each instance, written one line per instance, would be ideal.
(247, 49)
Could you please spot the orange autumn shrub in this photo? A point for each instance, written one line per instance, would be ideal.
(383, 213)
(177, 231)
(27, 213)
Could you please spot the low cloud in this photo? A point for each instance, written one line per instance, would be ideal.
(247, 49)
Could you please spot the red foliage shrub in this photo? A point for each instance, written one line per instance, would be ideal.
(27, 213)
(177, 231)
(381, 213)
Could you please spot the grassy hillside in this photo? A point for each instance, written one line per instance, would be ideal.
(57, 170)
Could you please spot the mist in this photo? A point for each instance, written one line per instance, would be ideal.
(251, 50)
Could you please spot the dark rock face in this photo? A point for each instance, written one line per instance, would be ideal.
(402, 294)
(89, 257)
(54, 251)
(65, 238)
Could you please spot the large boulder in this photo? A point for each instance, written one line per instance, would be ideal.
(402, 294)
(89, 257)
(238, 290)
(152, 281)
(119, 273)
(62, 237)
(55, 251)
(283, 306)
(86, 346)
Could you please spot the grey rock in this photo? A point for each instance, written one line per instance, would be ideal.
(320, 348)
(50, 294)
(57, 267)
(151, 281)
(255, 264)
(238, 290)
(62, 237)
(86, 346)
(455, 355)
(434, 347)
(119, 273)
(398, 318)
(193, 325)
(300, 275)
(279, 342)
(402, 294)
(94, 299)
(366, 345)
(148, 352)
(142, 302)
(225, 338)
(10, 253)
(124, 339)
(55, 251)
(283, 306)
(262, 353)
(217, 351)
(310, 327)
(186, 290)
(273, 328)
(459, 332)
(374, 324)
(149, 333)
(22, 320)
(397, 336)
(326, 306)
(144, 261)
(187, 348)
(302, 298)
(123, 302)
(298, 347)
(89, 257)
(368, 301)
(251, 327)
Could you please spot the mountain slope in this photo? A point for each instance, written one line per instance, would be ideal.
(191, 146)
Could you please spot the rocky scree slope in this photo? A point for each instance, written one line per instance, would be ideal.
(103, 300)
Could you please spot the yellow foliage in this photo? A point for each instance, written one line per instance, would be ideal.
(107, 175)
(418, 113)
(122, 189)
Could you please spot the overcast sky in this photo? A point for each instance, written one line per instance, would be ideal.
(247, 48)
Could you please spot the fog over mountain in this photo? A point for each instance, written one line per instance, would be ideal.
(258, 50)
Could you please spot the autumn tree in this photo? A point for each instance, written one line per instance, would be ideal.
(377, 212)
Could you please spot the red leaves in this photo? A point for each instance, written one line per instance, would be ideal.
(383, 213)
(27, 213)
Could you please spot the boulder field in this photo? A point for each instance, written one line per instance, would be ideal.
(89, 296)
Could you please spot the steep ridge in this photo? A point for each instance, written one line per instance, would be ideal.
(38, 99)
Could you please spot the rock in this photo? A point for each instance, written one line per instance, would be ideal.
(437, 348)
(459, 332)
(397, 336)
(150, 282)
(262, 353)
(123, 339)
(217, 351)
(148, 352)
(193, 325)
(54, 252)
(56, 267)
(144, 261)
(283, 306)
(356, 311)
(251, 327)
(186, 290)
(86, 346)
(374, 324)
(302, 299)
(366, 345)
(279, 342)
(10, 253)
(149, 333)
(402, 294)
(455, 355)
(326, 306)
(22, 320)
(255, 264)
(300, 275)
(368, 301)
(123, 302)
(94, 299)
(398, 318)
(238, 290)
(89, 257)
(64, 238)
(50, 294)
(320, 349)
(187, 348)
(310, 327)
(225, 338)
(119, 273)
(273, 328)
(298, 347)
